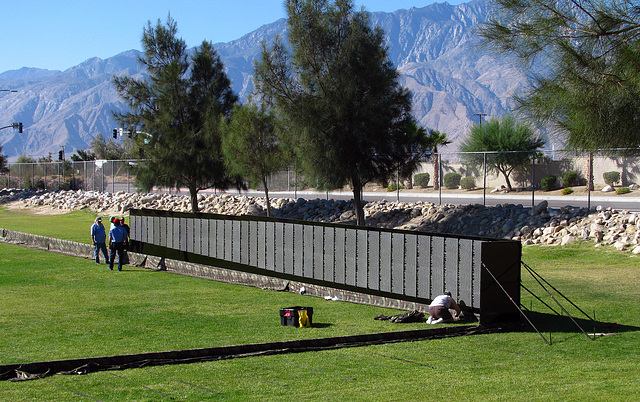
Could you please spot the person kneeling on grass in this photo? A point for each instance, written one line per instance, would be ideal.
(117, 238)
(439, 309)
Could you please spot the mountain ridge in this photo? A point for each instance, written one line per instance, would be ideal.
(435, 49)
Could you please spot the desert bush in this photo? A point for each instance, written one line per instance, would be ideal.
(452, 180)
(548, 183)
(468, 183)
(570, 178)
(421, 179)
(567, 191)
(623, 190)
(611, 178)
(394, 187)
(33, 183)
(72, 184)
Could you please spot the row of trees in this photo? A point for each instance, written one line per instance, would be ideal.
(330, 101)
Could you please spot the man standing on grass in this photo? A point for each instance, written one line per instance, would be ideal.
(117, 238)
(99, 239)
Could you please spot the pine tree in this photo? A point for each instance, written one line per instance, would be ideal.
(176, 113)
(584, 62)
(341, 92)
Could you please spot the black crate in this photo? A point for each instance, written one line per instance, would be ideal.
(289, 315)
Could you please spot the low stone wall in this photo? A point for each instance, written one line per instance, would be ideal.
(46, 243)
(82, 250)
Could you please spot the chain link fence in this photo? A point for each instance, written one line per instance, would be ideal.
(101, 175)
(443, 173)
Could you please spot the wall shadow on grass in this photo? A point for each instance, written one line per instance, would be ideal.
(547, 323)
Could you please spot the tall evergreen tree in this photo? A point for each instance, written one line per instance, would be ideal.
(341, 92)
(176, 112)
(585, 56)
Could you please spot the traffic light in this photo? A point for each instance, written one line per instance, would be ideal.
(20, 127)
(115, 133)
(60, 155)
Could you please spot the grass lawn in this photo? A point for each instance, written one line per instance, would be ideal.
(56, 307)
(73, 226)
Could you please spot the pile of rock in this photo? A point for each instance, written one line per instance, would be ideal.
(538, 225)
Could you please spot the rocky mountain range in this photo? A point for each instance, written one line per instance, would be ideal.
(435, 48)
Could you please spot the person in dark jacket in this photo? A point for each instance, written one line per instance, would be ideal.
(117, 239)
(99, 239)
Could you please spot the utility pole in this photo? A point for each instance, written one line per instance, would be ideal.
(480, 116)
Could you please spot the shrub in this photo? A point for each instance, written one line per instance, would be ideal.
(72, 184)
(26, 184)
(570, 178)
(468, 183)
(452, 180)
(421, 179)
(548, 183)
(623, 190)
(567, 191)
(394, 187)
(32, 184)
(611, 178)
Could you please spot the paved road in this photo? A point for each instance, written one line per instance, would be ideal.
(628, 203)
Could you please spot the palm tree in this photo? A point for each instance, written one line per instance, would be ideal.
(3, 163)
(437, 139)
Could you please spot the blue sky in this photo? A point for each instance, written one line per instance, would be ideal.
(56, 35)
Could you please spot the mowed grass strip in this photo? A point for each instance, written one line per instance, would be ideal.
(73, 226)
(497, 367)
(71, 306)
(60, 307)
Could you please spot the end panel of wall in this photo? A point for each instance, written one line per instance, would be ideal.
(501, 263)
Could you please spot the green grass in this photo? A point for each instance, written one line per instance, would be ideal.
(72, 308)
(55, 306)
(73, 226)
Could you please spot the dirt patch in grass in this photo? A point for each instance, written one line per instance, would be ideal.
(18, 206)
